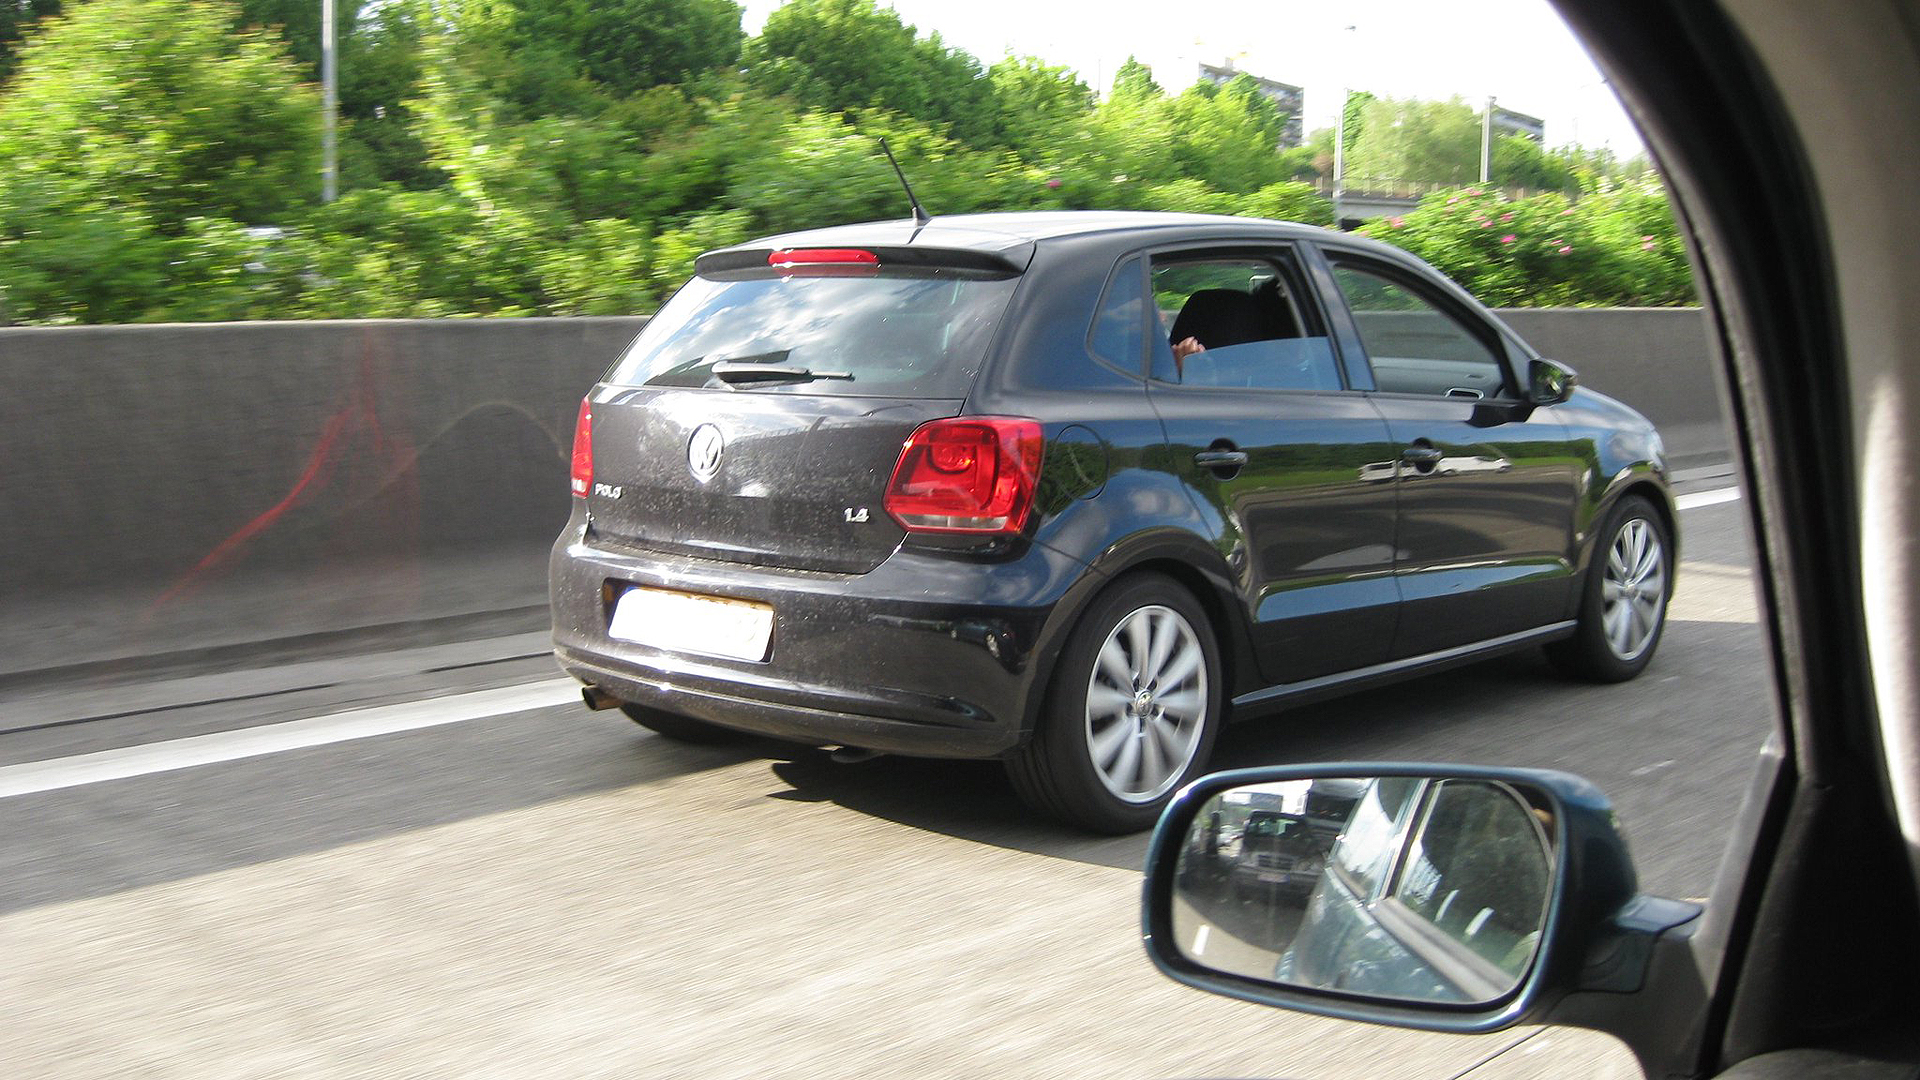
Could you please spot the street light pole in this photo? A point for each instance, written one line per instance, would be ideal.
(1340, 148)
(330, 108)
(1486, 141)
(1340, 130)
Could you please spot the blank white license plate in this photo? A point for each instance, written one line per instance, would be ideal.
(687, 622)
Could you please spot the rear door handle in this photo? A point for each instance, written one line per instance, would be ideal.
(1220, 459)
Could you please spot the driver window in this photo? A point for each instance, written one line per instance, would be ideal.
(1413, 345)
(1478, 871)
(1237, 321)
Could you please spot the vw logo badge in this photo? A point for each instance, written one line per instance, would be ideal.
(703, 452)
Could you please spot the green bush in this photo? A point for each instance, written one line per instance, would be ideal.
(1615, 245)
(159, 161)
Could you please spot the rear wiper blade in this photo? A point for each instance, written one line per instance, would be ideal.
(736, 373)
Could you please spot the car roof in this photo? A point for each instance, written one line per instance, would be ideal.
(1007, 231)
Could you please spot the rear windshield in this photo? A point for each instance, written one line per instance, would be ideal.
(899, 334)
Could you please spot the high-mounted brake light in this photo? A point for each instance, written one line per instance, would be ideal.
(583, 450)
(822, 257)
(967, 474)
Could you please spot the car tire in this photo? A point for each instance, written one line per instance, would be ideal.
(683, 729)
(1131, 712)
(1623, 601)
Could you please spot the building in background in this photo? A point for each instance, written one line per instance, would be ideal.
(1508, 122)
(1291, 100)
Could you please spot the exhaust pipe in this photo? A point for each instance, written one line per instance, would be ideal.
(598, 699)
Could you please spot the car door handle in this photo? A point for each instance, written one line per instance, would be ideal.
(1421, 455)
(1220, 459)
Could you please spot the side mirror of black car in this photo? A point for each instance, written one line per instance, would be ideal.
(1440, 897)
(1550, 382)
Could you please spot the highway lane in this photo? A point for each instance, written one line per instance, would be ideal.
(554, 892)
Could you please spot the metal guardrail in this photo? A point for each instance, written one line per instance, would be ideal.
(1387, 188)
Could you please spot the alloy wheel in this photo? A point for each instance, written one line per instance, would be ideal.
(1634, 592)
(1146, 703)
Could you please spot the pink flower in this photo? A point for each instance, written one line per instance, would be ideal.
(1397, 222)
(1504, 218)
(1484, 223)
(1648, 246)
(1564, 248)
(1567, 211)
(1453, 200)
(1053, 183)
(1508, 239)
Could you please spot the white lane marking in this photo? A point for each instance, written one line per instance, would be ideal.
(1706, 498)
(131, 761)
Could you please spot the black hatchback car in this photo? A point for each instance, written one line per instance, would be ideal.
(1072, 489)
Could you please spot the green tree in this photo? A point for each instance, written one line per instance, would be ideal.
(148, 104)
(1354, 112)
(379, 73)
(1134, 81)
(1288, 200)
(1434, 142)
(634, 44)
(1229, 136)
(17, 18)
(1519, 162)
(846, 55)
(1133, 140)
(1040, 106)
(137, 139)
(297, 22)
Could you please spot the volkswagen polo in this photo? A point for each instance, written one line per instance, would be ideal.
(1071, 490)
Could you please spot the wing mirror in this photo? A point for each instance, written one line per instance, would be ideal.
(1445, 898)
(1550, 382)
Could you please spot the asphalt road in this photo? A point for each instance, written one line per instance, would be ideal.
(544, 891)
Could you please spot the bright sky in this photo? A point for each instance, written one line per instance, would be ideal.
(1517, 51)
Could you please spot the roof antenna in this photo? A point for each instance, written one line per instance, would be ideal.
(920, 216)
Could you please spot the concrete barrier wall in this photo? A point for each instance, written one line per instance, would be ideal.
(153, 452)
(1654, 359)
(166, 460)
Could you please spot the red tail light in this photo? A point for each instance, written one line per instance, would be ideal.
(822, 257)
(967, 474)
(583, 450)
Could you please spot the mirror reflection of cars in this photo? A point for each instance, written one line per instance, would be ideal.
(1279, 852)
(1783, 128)
(941, 489)
(1434, 889)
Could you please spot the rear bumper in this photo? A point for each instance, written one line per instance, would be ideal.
(925, 655)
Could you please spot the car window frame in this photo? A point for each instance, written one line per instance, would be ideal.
(1116, 276)
(1399, 835)
(1498, 344)
(1307, 292)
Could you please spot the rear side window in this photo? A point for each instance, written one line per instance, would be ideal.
(1119, 332)
(889, 334)
(1237, 322)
